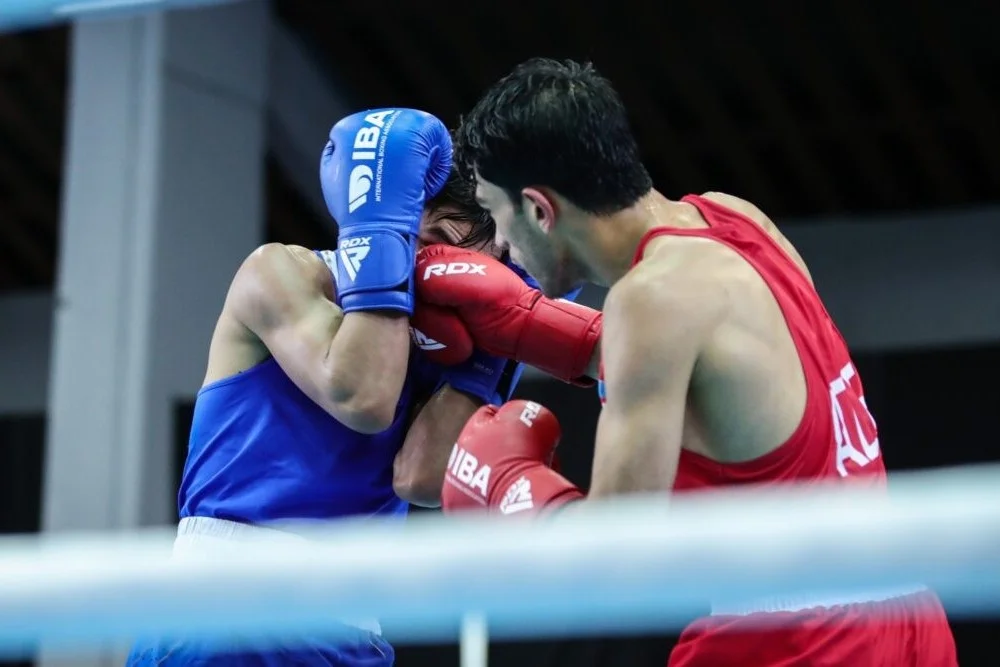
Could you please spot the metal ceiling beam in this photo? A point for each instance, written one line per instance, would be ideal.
(21, 14)
(839, 112)
(8, 280)
(755, 79)
(41, 206)
(24, 53)
(346, 51)
(472, 62)
(409, 58)
(303, 106)
(39, 262)
(980, 114)
(689, 87)
(672, 152)
(291, 216)
(33, 201)
(25, 129)
(928, 150)
(31, 118)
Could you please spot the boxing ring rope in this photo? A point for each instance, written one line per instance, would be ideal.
(630, 565)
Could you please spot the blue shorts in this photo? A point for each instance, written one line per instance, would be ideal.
(365, 649)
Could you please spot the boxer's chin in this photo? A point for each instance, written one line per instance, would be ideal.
(559, 282)
(555, 288)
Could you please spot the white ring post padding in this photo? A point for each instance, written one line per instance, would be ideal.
(474, 642)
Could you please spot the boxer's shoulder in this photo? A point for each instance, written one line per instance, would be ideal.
(675, 280)
(739, 205)
(283, 257)
(276, 276)
(760, 218)
(273, 265)
(693, 264)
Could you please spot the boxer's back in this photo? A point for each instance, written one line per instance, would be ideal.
(261, 451)
(777, 398)
(774, 395)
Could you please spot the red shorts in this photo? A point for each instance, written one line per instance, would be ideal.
(909, 631)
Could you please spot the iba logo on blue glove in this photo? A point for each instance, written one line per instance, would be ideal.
(366, 152)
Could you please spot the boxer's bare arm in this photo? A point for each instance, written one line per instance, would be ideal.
(594, 367)
(418, 471)
(657, 319)
(353, 366)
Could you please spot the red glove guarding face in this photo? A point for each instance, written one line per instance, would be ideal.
(440, 334)
(501, 462)
(504, 316)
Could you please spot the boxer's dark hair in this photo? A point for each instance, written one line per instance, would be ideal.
(457, 201)
(557, 124)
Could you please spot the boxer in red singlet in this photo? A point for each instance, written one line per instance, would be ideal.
(721, 365)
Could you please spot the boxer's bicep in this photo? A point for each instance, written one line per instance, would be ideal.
(652, 337)
(279, 296)
(418, 470)
(282, 297)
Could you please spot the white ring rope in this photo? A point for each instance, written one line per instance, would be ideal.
(637, 564)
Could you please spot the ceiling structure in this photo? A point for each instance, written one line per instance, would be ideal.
(805, 108)
(33, 77)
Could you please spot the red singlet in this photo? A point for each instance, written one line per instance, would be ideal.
(836, 440)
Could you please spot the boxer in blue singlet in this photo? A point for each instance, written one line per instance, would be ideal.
(315, 405)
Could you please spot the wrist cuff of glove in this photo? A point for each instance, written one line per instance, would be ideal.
(560, 339)
(532, 489)
(375, 269)
(483, 376)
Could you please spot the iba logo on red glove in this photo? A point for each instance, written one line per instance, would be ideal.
(465, 468)
(472, 477)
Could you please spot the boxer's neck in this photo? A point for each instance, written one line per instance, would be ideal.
(615, 238)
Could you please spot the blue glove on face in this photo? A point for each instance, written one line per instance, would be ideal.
(377, 170)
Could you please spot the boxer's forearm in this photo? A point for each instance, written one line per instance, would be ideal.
(366, 362)
(418, 470)
(594, 366)
(593, 371)
(352, 365)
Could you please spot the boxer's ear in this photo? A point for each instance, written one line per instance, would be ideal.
(540, 208)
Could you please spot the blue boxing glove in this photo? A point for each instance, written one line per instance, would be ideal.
(377, 170)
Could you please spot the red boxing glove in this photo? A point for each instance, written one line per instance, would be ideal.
(440, 334)
(501, 462)
(505, 316)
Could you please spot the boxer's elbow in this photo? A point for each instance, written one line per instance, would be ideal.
(367, 410)
(418, 472)
(362, 391)
(367, 420)
(417, 485)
